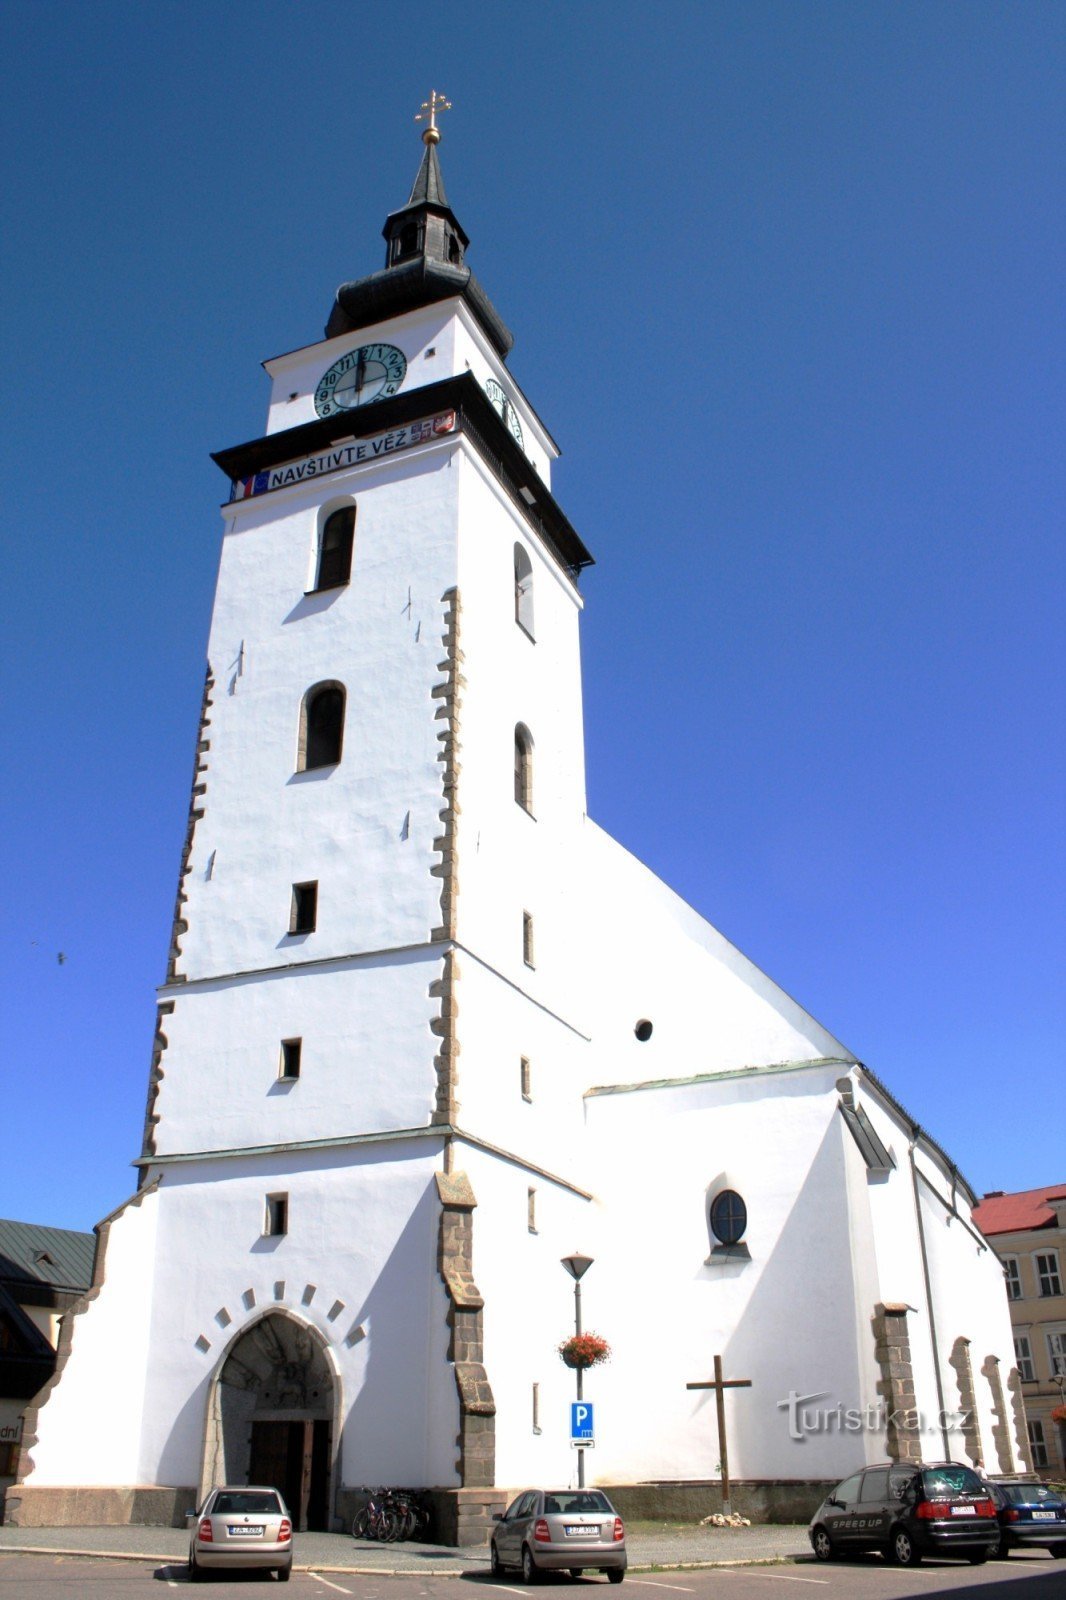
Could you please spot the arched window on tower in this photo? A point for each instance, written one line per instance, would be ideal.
(523, 589)
(321, 727)
(406, 242)
(523, 767)
(335, 549)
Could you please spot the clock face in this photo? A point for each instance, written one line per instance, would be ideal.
(372, 372)
(500, 404)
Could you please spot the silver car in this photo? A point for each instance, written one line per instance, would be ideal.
(569, 1530)
(240, 1527)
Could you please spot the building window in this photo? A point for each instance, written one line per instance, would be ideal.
(1047, 1272)
(1037, 1445)
(277, 1215)
(1023, 1357)
(527, 939)
(536, 1408)
(531, 1209)
(643, 1030)
(304, 913)
(527, 1093)
(523, 767)
(321, 727)
(523, 589)
(291, 1051)
(729, 1216)
(1056, 1349)
(1012, 1277)
(335, 549)
(407, 242)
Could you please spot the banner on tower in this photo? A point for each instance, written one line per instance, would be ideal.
(351, 453)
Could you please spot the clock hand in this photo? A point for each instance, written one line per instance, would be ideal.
(360, 374)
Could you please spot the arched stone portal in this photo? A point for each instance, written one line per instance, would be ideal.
(273, 1417)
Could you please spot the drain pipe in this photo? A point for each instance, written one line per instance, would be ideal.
(915, 1131)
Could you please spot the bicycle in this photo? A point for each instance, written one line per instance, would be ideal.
(377, 1518)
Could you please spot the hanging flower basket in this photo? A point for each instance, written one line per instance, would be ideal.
(1058, 1414)
(584, 1350)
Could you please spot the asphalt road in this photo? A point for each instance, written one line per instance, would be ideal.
(1028, 1577)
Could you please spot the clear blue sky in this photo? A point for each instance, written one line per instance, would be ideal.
(785, 281)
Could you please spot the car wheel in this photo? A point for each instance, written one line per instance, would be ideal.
(1002, 1550)
(530, 1574)
(1058, 1551)
(902, 1551)
(824, 1548)
(615, 1574)
(196, 1571)
(495, 1564)
(577, 1572)
(977, 1558)
(284, 1574)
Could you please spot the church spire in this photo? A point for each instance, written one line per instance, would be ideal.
(425, 254)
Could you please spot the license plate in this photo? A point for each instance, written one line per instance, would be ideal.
(576, 1529)
(245, 1530)
(964, 1511)
(1044, 1516)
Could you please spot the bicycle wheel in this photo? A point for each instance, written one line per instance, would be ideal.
(390, 1525)
(359, 1522)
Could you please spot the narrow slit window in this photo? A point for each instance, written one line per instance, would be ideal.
(525, 1078)
(303, 916)
(523, 767)
(536, 1408)
(527, 939)
(531, 1209)
(321, 727)
(277, 1215)
(335, 549)
(291, 1052)
(523, 589)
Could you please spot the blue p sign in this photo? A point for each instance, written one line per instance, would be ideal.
(581, 1420)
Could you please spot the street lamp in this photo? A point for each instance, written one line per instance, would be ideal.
(577, 1266)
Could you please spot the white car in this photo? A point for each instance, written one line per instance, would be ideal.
(240, 1527)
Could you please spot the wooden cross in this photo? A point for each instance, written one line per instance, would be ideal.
(428, 113)
(720, 1385)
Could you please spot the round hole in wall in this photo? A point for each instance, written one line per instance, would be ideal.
(643, 1030)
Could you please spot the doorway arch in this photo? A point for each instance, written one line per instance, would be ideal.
(273, 1417)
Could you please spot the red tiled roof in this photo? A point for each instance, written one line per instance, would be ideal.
(1013, 1213)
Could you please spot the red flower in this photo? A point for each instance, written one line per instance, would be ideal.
(1058, 1414)
(584, 1350)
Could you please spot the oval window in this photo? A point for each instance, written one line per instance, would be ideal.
(643, 1030)
(729, 1217)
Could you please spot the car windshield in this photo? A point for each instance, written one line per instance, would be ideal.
(573, 1504)
(1024, 1494)
(235, 1502)
(952, 1480)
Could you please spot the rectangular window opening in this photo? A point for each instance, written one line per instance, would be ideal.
(277, 1215)
(527, 939)
(1013, 1278)
(531, 1209)
(291, 1051)
(1037, 1445)
(1023, 1357)
(1047, 1271)
(304, 913)
(536, 1408)
(1056, 1349)
(527, 1093)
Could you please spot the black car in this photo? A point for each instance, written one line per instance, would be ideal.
(1030, 1514)
(908, 1512)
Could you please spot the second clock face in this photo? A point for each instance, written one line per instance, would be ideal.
(372, 372)
(500, 403)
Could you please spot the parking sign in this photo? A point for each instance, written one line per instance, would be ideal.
(582, 1427)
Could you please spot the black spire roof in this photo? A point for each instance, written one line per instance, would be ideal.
(424, 262)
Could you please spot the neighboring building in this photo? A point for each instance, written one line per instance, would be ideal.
(427, 1029)
(43, 1271)
(1027, 1230)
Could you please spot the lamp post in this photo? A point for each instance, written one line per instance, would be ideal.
(577, 1266)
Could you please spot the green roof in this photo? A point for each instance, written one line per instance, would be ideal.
(59, 1257)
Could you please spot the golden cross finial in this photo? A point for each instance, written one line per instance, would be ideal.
(428, 113)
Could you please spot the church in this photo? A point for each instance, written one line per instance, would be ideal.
(430, 1042)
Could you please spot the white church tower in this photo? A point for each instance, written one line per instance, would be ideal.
(425, 1028)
